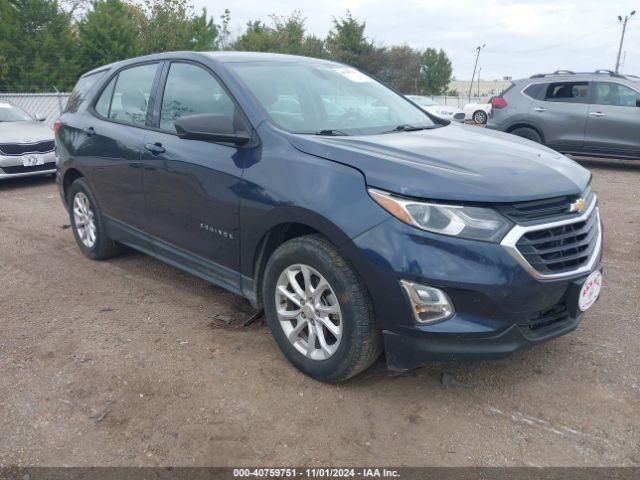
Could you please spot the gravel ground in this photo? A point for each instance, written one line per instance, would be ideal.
(132, 362)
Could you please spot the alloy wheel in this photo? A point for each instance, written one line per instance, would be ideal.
(83, 218)
(309, 312)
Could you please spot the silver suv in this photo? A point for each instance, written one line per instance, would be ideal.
(594, 114)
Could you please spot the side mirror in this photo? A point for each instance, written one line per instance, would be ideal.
(459, 117)
(40, 117)
(210, 128)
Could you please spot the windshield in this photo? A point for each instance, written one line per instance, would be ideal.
(11, 113)
(327, 99)
(420, 100)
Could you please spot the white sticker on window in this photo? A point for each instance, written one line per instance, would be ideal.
(4, 105)
(353, 74)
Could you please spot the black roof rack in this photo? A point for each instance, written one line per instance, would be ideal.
(601, 71)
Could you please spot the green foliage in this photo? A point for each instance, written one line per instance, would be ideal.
(346, 43)
(109, 32)
(435, 72)
(43, 45)
(36, 46)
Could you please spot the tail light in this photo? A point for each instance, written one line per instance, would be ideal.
(498, 102)
(56, 127)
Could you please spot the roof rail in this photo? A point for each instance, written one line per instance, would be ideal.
(601, 71)
(557, 72)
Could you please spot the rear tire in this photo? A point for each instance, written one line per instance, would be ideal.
(353, 341)
(480, 117)
(528, 133)
(87, 223)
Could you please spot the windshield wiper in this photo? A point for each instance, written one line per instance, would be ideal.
(405, 127)
(331, 133)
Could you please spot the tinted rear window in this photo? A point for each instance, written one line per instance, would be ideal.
(533, 90)
(81, 89)
(567, 92)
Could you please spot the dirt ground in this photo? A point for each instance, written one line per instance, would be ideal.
(131, 362)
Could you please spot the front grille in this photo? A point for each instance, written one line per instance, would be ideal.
(547, 319)
(562, 248)
(22, 148)
(34, 168)
(544, 210)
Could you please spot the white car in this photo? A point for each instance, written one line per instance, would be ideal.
(477, 112)
(446, 112)
(26, 144)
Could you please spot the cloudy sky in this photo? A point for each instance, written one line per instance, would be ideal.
(522, 37)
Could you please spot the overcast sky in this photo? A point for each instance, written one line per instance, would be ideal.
(522, 37)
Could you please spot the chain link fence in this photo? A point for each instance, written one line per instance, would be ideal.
(49, 105)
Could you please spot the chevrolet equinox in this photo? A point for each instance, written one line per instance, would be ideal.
(358, 222)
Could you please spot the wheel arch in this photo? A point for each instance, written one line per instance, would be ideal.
(517, 125)
(259, 248)
(69, 176)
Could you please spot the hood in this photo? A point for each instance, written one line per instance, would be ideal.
(24, 132)
(456, 162)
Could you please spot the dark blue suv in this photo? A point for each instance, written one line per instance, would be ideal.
(360, 223)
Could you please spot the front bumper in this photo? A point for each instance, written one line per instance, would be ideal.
(11, 166)
(499, 306)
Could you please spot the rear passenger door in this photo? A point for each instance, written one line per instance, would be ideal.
(191, 186)
(113, 142)
(560, 111)
(613, 126)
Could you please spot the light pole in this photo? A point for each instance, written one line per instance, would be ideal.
(624, 29)
(478, 48)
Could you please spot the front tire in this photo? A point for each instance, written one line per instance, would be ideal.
(87, 223)
(319, 310)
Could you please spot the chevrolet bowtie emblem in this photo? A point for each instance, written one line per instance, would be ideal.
(579, 206)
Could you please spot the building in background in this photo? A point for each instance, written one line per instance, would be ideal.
(487, 87)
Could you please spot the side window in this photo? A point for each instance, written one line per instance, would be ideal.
(567, 92)
(130, 99)
(609, 93)
(104, 102)
(533, 90)
(81, 89)
(191, 90)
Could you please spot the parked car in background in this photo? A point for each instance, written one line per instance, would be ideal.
(356, 220)
(593, 114)
(27, 145)
(446, 112)
(479, 113)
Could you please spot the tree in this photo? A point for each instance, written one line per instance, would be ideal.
(284, 35)
(346, 43)
(401, 68)
(108, 33)
(171, 25)
(435, 72)
(37, 47)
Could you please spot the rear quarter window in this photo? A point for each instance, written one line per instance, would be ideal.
(79, 93)
(533, 90)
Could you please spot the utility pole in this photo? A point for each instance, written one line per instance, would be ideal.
(624, 29)
(478, 48)
(479, 74)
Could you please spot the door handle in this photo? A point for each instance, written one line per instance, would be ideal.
(539, 109)
(597, 114)
(89, 131)
(155, 148)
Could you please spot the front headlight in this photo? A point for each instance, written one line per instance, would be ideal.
(476, 223)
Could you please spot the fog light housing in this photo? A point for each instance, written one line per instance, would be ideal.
(429, 304)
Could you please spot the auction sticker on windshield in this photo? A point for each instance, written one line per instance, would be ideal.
(590, 290)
